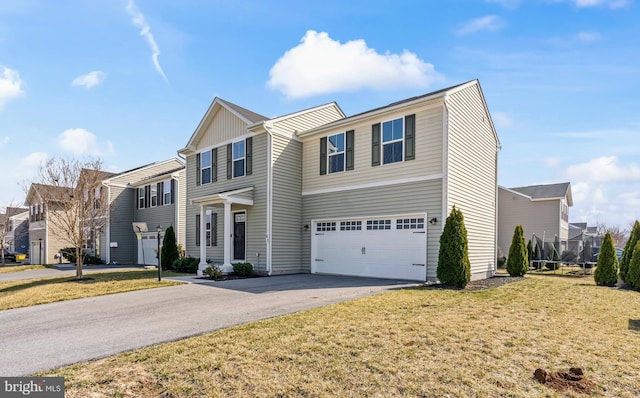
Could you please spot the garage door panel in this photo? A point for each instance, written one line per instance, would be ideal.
(381, 247)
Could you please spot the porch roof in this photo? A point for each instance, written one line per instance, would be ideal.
(226, 197)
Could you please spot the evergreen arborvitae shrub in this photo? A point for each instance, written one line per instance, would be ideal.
(530, 250)
(633, 276)
(454, 268)
(169, 251)
(629, 248)
(607, 268)
(517, 264)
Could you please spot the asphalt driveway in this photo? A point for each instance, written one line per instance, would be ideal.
(47, 336)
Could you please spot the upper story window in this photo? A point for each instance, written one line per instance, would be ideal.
(205, 167)
(238, 159)
(141, 198)
(166, 192)
(392, 141)
(97, 192)
(154, 196)
(335, 150)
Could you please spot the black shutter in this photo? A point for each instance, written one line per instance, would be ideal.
(160, 193)
(229, 161)
(214, 229)
(214, 165)
(323, 155)
(147, 196)
(375, 144)
(409, 137)
(248, 155)
(349, 149)
(197, 169)
(197, 229)
(173, 191)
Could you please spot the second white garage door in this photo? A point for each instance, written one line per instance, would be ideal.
(380, 247)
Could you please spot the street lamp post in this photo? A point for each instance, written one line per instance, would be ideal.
(159, 229)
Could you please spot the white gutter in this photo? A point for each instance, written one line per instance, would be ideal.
(269, 198)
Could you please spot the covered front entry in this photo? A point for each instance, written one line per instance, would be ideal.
(379, 247)
(234, 243)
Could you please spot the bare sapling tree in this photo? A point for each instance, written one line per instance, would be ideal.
(618, 234)
(76, 203)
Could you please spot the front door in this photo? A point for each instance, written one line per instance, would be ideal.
(239, 227)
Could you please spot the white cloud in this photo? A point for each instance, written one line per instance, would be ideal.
(501, 119)
(81, 142)
(510, 4)
(490, 23)
(34, 159)
(145, 31)
(588, 37)
(10, 85)
(90, 79)
(5, 140)
(321, 65)
(551, 162)
(613, 4)
(604, 169)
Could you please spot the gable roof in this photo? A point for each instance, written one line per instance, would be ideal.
(547, 191)
(400, 104)
(47, 193)
(247, 116)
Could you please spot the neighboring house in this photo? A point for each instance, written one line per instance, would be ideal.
(366, 195)
(542, 210)
(17, 224)
(153, 194)
(45, 239)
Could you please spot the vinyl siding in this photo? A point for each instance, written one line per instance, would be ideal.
(428, 151)
(286, 234)
(224, 126)
(55, 240)
(471, 175)
(307, 120)
(541, 218)
(256, 228)
(154, 216)
(417, 197)
(121, 231)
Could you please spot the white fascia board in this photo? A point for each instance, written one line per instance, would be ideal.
(515, 192)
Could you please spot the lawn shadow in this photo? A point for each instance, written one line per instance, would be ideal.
(634, 324)
(90, 278)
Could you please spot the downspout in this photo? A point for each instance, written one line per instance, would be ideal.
(495, 240)
(445, 160)
(269, 197)
(107, 229)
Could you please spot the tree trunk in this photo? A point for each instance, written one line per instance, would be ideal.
(78, 263)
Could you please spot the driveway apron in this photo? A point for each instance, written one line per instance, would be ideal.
(47, 336)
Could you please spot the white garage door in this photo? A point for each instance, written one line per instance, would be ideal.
(149, 246)
(379, 247)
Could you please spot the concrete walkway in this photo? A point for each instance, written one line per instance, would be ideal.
(51, 335)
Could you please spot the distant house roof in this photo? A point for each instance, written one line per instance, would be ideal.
(547, 191)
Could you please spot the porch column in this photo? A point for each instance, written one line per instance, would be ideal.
(228, 235)
(203, 240)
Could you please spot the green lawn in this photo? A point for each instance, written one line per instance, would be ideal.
(4, 269)
(420, 342)
(24, 293)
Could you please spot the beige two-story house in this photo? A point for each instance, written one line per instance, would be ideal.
(366, 195)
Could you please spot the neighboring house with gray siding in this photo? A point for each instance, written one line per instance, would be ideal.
(316, 191)
(152, 194)
(17, 237)
(542, 210)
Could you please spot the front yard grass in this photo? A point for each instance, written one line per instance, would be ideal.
(24, 293)
(421, 342)
(17, 268)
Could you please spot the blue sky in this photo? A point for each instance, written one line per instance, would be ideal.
(129, 80)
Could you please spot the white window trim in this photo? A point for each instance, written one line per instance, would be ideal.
(166, 192)
(343, 153)
(383, 143)
(153, 193)
(141, 204)
(234, 159)
(202, 168)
